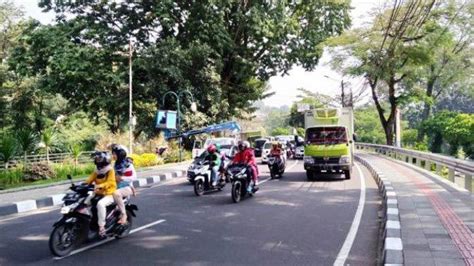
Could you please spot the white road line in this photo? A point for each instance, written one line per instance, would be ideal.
(108, 240)
(346, 247)
(289, 168)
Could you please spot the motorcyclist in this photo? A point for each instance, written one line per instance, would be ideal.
(125, 174)
(277, 152)
(214, 159)
(105, 185)
(246, 156)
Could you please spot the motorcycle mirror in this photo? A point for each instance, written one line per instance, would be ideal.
(69, 177)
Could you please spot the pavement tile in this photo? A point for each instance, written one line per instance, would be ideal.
(443, 247)
(446, 254)
(437, 231)
(414, 241)
(417, 253)
(449, 262)
(440, 241)
(411, 261)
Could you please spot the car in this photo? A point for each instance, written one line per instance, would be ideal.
(259, 146)
(266, 151)
(299, 152)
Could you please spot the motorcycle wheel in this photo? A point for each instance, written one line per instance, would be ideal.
(129, 224)
(236, 191)
(272, 175)
(63, 240)
(199, 187)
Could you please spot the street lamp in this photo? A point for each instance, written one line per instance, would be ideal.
(343, 102)
(193, 108)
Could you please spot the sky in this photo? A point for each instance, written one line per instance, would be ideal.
(322, 79)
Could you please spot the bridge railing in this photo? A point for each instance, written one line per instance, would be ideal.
(456, 167)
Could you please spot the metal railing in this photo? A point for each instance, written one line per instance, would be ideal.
(53, 158)
(464, 168)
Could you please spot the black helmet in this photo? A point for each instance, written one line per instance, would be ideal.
(119, 151)
(101, 159)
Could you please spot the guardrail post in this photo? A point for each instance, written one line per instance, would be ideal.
(427, 165)
(451, 175)
(468, 182)
(418, 162)
(439, 168)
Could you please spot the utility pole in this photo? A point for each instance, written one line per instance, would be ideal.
(130, 111)
(342, 94)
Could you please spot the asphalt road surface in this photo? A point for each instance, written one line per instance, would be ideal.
(290, 221)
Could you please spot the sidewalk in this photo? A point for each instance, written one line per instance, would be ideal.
(25, 199)
(436, 220)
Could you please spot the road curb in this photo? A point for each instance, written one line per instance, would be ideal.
(391, 252)
(54, 200)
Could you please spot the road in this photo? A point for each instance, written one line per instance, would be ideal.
(288, 222)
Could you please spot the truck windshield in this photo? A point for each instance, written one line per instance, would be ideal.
(326, 135)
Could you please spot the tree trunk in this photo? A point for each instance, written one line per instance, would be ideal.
(387, 124)
(426, 109)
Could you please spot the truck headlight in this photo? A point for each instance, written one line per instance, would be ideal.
(345, 159)
(308, 160)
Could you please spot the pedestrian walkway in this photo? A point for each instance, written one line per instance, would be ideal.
(7, 198)
(437, 220)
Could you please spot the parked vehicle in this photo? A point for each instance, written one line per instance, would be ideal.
(241, 182)
(276, 165)
(259, 143)
(79, 222)
(203, 182)
(329, 142)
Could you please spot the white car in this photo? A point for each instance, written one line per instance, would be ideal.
(299, 152)
(266, 151)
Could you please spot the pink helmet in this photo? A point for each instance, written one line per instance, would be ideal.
(212, 148)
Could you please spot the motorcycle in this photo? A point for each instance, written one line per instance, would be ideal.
(276, 166)
(79, 222)
(241, 182)
(203, 182)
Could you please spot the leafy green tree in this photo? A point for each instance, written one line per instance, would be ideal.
(280, 131)
(8, 149)
(312, 99)
(48, 138)
(27, 141)
(367, 125)
(435, 129)
(459, 132)
(223, 51)
(387, 55)
(76, 150)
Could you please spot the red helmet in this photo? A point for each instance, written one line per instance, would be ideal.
(212, 148)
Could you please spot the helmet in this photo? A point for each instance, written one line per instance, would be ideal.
(101, 159)
(212, 148)
(119, 151)
(243, 145)
(275, 144)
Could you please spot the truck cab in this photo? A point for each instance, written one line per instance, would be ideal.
(328, 142)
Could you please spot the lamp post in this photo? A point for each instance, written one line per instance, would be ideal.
(343, 102)
(193, 108)
(131, 120)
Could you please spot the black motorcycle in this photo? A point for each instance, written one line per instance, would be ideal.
(241, 182)
(79, 222)
(276, 165)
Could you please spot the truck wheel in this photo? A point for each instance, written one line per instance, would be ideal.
(347, 174)
(310, 175)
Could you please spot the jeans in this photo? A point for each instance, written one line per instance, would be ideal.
(214, 173)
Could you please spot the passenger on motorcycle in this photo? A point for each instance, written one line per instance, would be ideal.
(277, 152)
(125, 174)
(105, 185)
(246, 156)
(214, 159)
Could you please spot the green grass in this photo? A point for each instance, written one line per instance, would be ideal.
(13, 178)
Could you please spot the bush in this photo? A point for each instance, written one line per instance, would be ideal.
(38, 171)
(146, 159)
(11, 177)
(62, 170)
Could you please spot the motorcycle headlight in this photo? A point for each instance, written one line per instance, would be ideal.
(309, 159)
(345, 159)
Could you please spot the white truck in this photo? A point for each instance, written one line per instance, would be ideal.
(329, 141)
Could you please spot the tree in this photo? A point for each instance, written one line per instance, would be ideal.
(312, 99)
(223, 51)
(76, 150)
(280, 131)
(8, 149)
(48, 137)
(435, 129)
(27, 142)
(387, 55)
(367, 125)
(459, 132)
